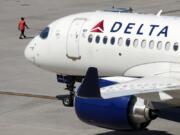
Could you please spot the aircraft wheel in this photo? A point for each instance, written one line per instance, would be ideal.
(68, 101)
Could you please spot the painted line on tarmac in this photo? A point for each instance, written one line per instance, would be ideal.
(27, 95)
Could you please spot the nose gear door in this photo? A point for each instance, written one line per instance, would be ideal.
(73, 38)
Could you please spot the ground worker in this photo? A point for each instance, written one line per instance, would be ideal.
(21, 26)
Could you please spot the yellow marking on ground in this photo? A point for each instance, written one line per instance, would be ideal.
(27, 95)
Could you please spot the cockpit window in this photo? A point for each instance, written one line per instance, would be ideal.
(44, 33)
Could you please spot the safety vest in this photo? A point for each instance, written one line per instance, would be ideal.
(22, 25)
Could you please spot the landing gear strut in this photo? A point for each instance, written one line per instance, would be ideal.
(69, 100)
(70, 86)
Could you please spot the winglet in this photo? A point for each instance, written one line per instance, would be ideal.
(90, 86)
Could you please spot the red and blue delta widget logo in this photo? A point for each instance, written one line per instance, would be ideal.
(133, 28)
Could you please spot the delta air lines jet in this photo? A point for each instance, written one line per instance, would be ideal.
(137, 57)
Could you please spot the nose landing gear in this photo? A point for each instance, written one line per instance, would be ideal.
(68, 101)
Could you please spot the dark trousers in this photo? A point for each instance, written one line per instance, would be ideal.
(22, 34)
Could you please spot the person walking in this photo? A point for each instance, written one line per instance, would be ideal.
(21, 26)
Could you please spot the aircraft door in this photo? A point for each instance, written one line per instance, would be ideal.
(72, 50)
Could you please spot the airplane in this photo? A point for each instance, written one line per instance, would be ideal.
(141, 51)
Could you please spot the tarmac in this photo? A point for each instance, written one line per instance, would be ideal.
(27, 93)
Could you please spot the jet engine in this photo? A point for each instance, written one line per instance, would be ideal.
(118, 113)
(129, 112)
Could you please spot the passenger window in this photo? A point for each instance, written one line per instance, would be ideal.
(135, 43)
(105, 39)
(120, 41)
(151, 44)
(143, 43)
(176, 46)
(167, 46)
(159, 45)
(90, 38)
(97, 39)
(128, 42)
(112, 40)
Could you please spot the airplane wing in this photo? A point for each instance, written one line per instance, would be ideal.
(163, 92)
(151, 88)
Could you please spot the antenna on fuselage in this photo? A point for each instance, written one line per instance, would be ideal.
(159, 13)
(113, 4)
(130, 10)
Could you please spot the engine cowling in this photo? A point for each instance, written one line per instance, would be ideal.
(127, 112)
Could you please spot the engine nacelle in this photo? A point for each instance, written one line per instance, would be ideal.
(127, 112)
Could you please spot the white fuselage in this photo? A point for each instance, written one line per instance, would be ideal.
(137, 44)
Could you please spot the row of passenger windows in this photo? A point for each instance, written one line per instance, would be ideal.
(143, 43)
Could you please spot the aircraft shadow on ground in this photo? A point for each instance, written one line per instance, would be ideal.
(144, 132)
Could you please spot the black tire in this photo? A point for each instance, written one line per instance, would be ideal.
(68, 101)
